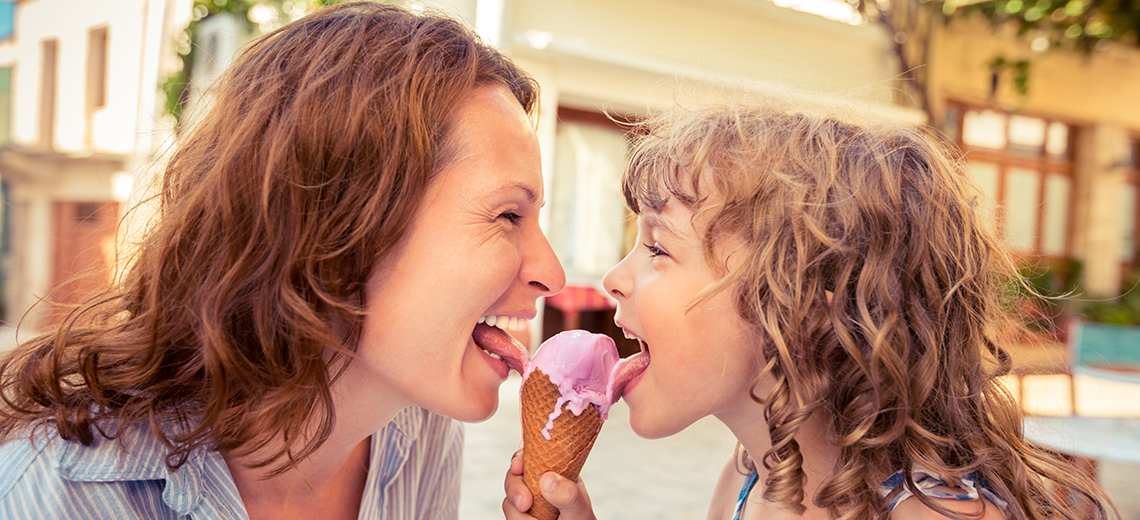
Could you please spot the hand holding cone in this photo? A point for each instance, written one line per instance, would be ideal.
(570, 442)
(566, 394)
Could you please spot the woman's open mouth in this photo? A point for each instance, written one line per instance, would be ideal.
(489, 335)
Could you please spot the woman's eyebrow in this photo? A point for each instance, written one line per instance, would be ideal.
(531, 194)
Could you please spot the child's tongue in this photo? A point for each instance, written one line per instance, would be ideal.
(625, 371)
(586, 369)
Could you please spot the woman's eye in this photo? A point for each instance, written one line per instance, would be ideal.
(512, 217)
(655, 250)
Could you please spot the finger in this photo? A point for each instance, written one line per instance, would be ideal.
(569, 497)
(514, 487)
(517, 463)
(510, 512)
(517, 493)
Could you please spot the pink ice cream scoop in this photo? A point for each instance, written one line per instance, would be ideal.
(586, 369)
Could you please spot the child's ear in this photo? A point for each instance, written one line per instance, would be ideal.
(830, 295)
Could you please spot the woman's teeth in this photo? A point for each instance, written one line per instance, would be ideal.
(504, 322)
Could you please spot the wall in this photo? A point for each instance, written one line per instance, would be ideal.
(1096, 93)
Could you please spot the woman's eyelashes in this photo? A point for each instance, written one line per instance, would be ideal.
(511, 216)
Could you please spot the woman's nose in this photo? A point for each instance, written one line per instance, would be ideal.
(541, 268)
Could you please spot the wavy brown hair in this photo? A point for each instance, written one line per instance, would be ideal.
(903, 357)
(246, 298)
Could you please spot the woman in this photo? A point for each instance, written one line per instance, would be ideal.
(298, 326)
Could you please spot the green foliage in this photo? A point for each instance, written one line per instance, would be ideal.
(1018, 69)
(1042, 301)
(175, 86)
(1122, 310)
(1084, 25)
(1051, 297)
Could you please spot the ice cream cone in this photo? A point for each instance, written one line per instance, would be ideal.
(571, 438)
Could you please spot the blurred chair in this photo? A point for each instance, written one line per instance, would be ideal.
(1103, 350)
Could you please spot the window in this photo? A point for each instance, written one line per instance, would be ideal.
(1023, 163)
(586, 207)
(96, 78)
(49, 63)
(97, 68)
(1130, 207)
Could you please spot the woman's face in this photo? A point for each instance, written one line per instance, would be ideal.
(702, 359)
(474, 250)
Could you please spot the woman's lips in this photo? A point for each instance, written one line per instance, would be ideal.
(496, 341)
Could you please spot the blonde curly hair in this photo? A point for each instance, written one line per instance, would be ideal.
(875, 288)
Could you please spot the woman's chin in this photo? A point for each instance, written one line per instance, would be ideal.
(474, 412)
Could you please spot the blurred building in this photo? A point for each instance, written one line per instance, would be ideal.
(80, 116)
(1062, 160)
(80, 119)
(599, 60)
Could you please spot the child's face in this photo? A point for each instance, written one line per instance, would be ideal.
(703, 358)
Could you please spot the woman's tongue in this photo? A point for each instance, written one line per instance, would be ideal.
(498, 342)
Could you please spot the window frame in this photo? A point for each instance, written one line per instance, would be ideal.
(1043, 164)
(1132, 176)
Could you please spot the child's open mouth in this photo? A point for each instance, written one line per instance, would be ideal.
(630, 368)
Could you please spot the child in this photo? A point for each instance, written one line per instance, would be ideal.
(831, 292)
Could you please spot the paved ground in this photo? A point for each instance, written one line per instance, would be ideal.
(672, 479)
(627, 476)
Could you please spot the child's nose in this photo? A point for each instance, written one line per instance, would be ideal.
(614, 280)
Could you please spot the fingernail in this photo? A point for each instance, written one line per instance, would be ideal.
(518, 502)
(548, 483)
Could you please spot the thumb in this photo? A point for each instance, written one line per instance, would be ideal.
(570, 498)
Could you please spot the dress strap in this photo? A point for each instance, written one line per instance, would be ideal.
(749, 483)
(973, 487)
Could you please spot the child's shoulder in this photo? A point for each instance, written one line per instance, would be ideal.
(915, 509)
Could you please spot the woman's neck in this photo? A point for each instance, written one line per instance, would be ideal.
(329, 482)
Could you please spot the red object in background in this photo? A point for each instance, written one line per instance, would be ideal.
(575, 299)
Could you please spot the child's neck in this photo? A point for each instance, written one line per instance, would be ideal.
(814, 439)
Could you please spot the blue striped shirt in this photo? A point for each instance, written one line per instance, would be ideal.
(413, 473)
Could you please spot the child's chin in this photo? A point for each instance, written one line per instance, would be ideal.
(653, 427)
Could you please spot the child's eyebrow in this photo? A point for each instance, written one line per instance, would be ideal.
(656, 221)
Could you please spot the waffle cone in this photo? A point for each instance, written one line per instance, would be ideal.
(570, 439)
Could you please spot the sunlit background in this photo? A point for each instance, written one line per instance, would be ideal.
(1040, 96)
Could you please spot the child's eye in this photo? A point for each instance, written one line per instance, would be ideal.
(512, 217)
(655, 250)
